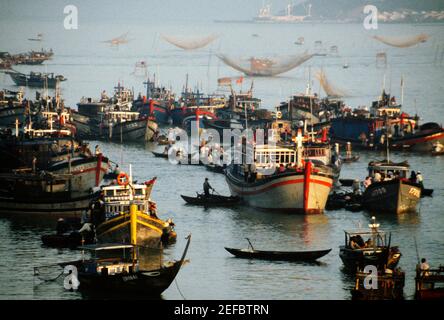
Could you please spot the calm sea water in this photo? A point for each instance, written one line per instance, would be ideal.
(92, 66)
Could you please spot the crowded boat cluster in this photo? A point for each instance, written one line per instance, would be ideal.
(287, 158)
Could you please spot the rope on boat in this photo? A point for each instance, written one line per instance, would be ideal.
(177, 286)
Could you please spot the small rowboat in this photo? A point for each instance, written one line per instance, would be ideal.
(350, 159)
(251, 253)
(212, 200)
(426, 192)
(215, 168)
(160, 154)
(278, 255)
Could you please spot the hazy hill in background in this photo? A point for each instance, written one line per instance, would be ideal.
(395, 10)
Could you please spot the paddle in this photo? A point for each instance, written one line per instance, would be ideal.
(250, 243)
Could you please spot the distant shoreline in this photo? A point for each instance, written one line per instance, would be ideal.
(429, 23)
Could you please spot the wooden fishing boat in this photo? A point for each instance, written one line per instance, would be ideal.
(212, 200)
(128, 214)
(377, 251)
(393, 195)
(251, 253)
(115, 271)
(36, 79)
(298, 189)
(390, 286)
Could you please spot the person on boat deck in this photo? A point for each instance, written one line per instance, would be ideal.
(412, 177)
(424, 267)
(369, 243)
(281, 168)
(367, 182)
(104, 96)
(207, 187)
(62, 227)
(420, 179)
(377, 177)
(97, 150)
(117, 169)
(389, 176)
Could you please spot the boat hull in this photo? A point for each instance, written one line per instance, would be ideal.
(8, 115)
(149, 231)
(278, 255)
(293, 191)
(395, 196)
(54, 206)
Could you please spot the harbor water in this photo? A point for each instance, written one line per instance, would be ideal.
(92, 66)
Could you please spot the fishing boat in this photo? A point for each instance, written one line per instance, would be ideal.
(43, 193)
(420, 140)
(12, 107)
(251, 253)
(70, 233)
(395, 193)
(389, 285)
(212, 200)
(115, 271)
(300, 188)
(158, 102)
(127, 214)
(429, 284)
(36, 79)
(377, 250)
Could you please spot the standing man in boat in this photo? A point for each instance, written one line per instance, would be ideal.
(420, 179)
(207, 187)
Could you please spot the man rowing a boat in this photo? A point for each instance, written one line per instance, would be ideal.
(207, 187)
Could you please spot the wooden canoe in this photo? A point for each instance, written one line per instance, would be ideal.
(278, 255)
(212, 200)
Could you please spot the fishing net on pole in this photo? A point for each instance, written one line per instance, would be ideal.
(331, 90)
(403, 42)
(48, 273)
(190, 43)
(254, 66)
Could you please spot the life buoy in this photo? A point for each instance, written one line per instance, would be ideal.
(122, 179)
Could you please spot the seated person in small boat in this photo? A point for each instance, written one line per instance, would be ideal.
(369, 243)
(207, 187)
(62, 226)
(424, 267)
(377, 177)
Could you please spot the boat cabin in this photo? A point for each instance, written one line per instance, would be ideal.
(400, 170)
(118, 198)
(120, 116)
(267, 156)
(110, 259)
(376, 239)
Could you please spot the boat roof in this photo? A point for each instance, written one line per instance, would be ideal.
(106, 246)
(363, 232)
